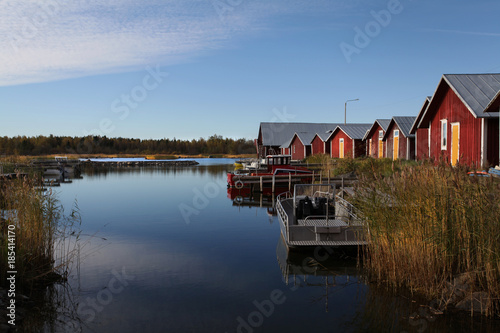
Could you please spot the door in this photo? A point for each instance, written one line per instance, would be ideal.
(380, 144)
(395, 153)
(341, 148)
(455, 143)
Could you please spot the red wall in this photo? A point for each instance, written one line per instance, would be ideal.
(390, 142)
(422, 138)
(374, 138)
(335, 139)
(318, 146)
(451, 108)
(299, 149)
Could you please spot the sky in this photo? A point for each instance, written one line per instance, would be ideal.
(187, 69)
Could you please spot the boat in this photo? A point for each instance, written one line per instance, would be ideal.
(251, 164)
(278, 172)
(315, 216)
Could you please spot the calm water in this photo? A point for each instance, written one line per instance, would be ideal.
(166, 250)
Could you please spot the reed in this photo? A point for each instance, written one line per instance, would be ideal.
(428, 224)
(40, 229)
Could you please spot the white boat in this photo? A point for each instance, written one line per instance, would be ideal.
(314, 216)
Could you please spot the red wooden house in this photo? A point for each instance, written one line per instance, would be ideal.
(399, 142)
(300, 145)
(462, 119)
(375, 146)
(319, 144)
(421, 134)
(347, 140)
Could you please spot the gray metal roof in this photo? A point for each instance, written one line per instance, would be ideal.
(281, 134)
(475, 90)
(384, 123)
(354, 131)
(404, 123)
(414, 127)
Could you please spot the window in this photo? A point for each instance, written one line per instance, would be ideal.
(294, 149)
(444, 133)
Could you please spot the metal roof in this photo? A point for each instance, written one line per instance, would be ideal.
(404, 124)
(384, 123)
(475, 90)
(354, 131)
(281, 134)
(424, 107)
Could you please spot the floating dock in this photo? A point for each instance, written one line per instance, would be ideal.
(315, 216)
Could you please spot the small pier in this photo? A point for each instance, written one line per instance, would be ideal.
(315, 216)
(141, 163)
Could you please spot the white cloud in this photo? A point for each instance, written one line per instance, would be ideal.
(47, 40)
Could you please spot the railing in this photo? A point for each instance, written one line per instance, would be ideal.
(349, 209)
(281, 212)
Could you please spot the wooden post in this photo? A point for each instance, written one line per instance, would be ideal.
(289, 181)
(320, 177)
(328, 176)
(342, 187)
(261, 185)
(273, 183)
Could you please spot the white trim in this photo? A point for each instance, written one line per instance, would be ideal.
(484, 142)
(444, 134)
(429, 140)
(407, 148)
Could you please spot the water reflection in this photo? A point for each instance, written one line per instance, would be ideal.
(205, 275)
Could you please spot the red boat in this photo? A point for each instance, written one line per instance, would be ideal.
(279, 173)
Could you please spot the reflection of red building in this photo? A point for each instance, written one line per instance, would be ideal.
(347, 140)
(375, 145)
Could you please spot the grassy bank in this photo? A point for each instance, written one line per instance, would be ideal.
(429, 227)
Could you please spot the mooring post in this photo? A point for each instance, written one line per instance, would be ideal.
(261, 185)
(273, 182)
(289, 181)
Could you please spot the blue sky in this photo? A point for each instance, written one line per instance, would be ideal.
(193, 68)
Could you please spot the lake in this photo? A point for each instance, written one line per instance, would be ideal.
(166, 250)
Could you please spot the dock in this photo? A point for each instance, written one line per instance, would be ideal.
(313, 216)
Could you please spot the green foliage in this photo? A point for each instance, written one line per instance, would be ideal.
(42, 145)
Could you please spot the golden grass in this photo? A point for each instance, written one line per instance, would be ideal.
(428, 224)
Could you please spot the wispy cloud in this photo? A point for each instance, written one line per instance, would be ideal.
(46, 40)
(460, 32)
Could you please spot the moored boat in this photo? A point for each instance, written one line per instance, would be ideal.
(314, 216)
(278, 171)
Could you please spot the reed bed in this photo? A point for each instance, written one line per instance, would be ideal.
(429, 224)
(40, 232)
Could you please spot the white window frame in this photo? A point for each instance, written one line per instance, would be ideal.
(444, 134)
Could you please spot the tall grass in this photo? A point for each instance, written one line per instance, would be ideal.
(39, 228)
(428, 224)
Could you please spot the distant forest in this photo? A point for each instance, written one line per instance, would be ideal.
(44, 145)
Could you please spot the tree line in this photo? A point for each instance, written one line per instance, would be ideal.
(44, 145)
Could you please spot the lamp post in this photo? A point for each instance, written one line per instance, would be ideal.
(345, 109)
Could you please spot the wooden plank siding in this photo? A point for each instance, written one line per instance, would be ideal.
(317, 146)
(374, 149)
(422, 143)
(452, 109)
(402, 143)
(298, 150)
(335, 144)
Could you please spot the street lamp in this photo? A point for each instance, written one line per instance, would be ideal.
(345, 108)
